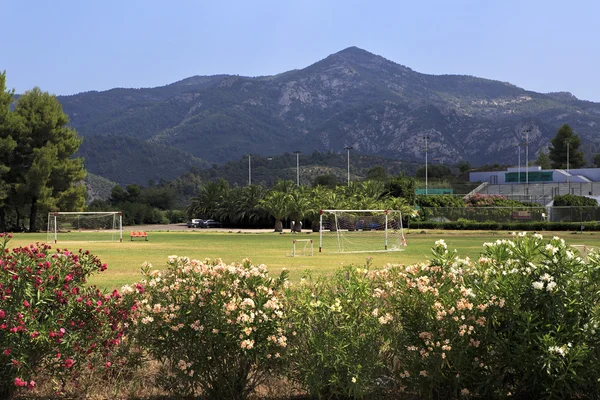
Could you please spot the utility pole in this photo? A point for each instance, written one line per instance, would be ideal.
(297, 152)
(426, 149)
(527, 156)
(249, 170)
(567, 140)
(519, 156)
(348, 148)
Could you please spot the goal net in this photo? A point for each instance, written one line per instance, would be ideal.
(85, 226)
(361, 231)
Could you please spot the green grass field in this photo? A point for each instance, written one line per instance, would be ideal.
(272, 249)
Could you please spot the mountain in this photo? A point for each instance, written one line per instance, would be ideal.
(351, 98)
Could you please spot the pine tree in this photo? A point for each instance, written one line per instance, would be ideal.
(7, 145)
(44, 173)
(566, 143)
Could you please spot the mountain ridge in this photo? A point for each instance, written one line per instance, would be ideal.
(350, 98)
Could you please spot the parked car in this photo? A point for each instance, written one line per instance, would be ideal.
(211, 223)
(196, 223)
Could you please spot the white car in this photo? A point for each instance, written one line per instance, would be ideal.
(195, 223)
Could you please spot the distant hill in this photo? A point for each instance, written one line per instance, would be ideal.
(350, 98)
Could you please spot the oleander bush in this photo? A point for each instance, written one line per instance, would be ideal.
(544, 342)
(337, 347)
(440, 352)
(51, 322)
(216, 329)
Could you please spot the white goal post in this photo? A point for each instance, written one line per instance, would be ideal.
(361, 231)
(106, 226)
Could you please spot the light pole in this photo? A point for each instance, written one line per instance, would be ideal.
(567, 140)
(348, 148)
(519, 157)
(297, 152)
(527, 156)
(249, 170)
(426, 142)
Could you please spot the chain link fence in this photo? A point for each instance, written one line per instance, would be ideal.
(541, 193)
(510, 214)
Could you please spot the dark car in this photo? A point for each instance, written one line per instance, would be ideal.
(211, 223)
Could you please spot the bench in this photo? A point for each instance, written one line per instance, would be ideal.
(141, 235)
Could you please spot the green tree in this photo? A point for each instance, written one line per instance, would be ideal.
(543, 160)
(463, 166)
(207, 203)
(597, 161)
(7, 145)
(329, 180)
(566, 141)
(276, 203)
(377, 173)
(435, 171)
(403, 186)
(44, 173)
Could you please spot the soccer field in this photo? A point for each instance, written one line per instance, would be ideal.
(272, 249)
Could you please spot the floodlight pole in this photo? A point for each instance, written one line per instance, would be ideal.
(527, 156)
(348, 148)
(249, 170)
(567, 140)
(297, 152)
(519, 162)
(426, 141)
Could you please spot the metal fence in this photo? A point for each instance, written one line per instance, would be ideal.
(541, 193)
(510, 214)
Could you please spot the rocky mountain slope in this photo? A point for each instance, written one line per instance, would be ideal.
(351, 98)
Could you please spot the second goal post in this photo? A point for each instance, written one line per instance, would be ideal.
(361, 231)
(85, 226)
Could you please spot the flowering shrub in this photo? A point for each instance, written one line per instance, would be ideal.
(215, 327)
(545, 339)
(440, 352)
(50, 321)
(337, 347)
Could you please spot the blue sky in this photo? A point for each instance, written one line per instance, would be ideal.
(70, 46)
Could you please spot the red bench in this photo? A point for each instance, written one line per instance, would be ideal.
(141, 235)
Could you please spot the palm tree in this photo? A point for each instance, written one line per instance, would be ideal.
(276, 204)
(247, 205)
(208, 201)
(299, 204)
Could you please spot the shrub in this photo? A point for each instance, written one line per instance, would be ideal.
(445, 200)
(49, 320)
(545, 342)
(570, 200)
(441, 350)
(214, 327)
(337, 342)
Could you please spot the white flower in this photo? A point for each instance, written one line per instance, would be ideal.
(538, 285)
(441, 243)
(550, 287)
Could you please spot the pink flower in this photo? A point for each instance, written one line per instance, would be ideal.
(69, 363)
(31, 385)
(20, 382)
(2, 314)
